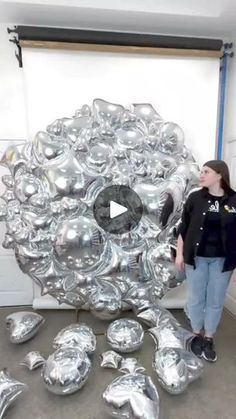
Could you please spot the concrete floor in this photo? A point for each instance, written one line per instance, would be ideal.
(212, 396)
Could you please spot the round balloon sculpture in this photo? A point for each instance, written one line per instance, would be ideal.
(50, 194)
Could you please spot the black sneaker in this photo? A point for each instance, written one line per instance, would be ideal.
(209, 353)
(196, 345)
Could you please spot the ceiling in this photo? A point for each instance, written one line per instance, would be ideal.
(206, 18)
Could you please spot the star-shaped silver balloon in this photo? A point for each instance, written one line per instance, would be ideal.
(110, 359)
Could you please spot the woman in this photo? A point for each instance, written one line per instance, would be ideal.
(206, 249)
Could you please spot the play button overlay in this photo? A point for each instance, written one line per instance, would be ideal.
(117, 209)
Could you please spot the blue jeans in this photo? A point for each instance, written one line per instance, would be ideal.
(207, 286)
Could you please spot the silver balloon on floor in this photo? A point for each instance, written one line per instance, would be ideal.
(66, 370)
(125, 335)
(76, 335)
(33, 360)
(10, 389)
(132, 396)
(23, 325)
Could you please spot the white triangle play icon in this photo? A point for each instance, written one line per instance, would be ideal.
(116, 209)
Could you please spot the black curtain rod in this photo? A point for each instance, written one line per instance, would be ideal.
(36, 33)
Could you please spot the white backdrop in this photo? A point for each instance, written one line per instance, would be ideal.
(182, 89)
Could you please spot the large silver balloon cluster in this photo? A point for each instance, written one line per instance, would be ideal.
(48, 203)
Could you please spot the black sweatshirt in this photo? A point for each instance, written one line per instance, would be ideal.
(197, 233)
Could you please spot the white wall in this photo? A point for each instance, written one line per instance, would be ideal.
(15, 287)
(12, 106)
(182, 89)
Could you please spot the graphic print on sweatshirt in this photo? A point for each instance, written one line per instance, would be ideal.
(214, 207)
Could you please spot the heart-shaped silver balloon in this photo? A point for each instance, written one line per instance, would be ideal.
(23, 325)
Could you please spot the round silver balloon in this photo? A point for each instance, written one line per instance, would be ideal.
(78, 243)
(78, 335)
(33, 360)
(10, 389)
(49, 198)
(125, 335)
(132, 396)
(105, 300)
(171, 138)
(23, 325)
(66, 370)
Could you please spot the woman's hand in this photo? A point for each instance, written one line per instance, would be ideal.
(179, 262)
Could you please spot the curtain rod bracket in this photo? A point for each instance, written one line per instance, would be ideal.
(227, 49)
(15, 41)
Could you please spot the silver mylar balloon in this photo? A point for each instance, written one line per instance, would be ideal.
(110, 359)
(145, 112)
(171, 138)
(107, 111)
(170, 335)
(23, 325)
(176, 368)
(66, 370)
(125, 335)
(130, 366)
(33, 360)
(150, 196)
(130, 139)
(10, 389)
(78, 243)
(105, 300)
(140, 296)
(63, 176)
(17, 155)
(49, 198)
(156, 316)
(159, 262)
(97, 161)
(79, 335)
(47, 148)
(132, 396)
